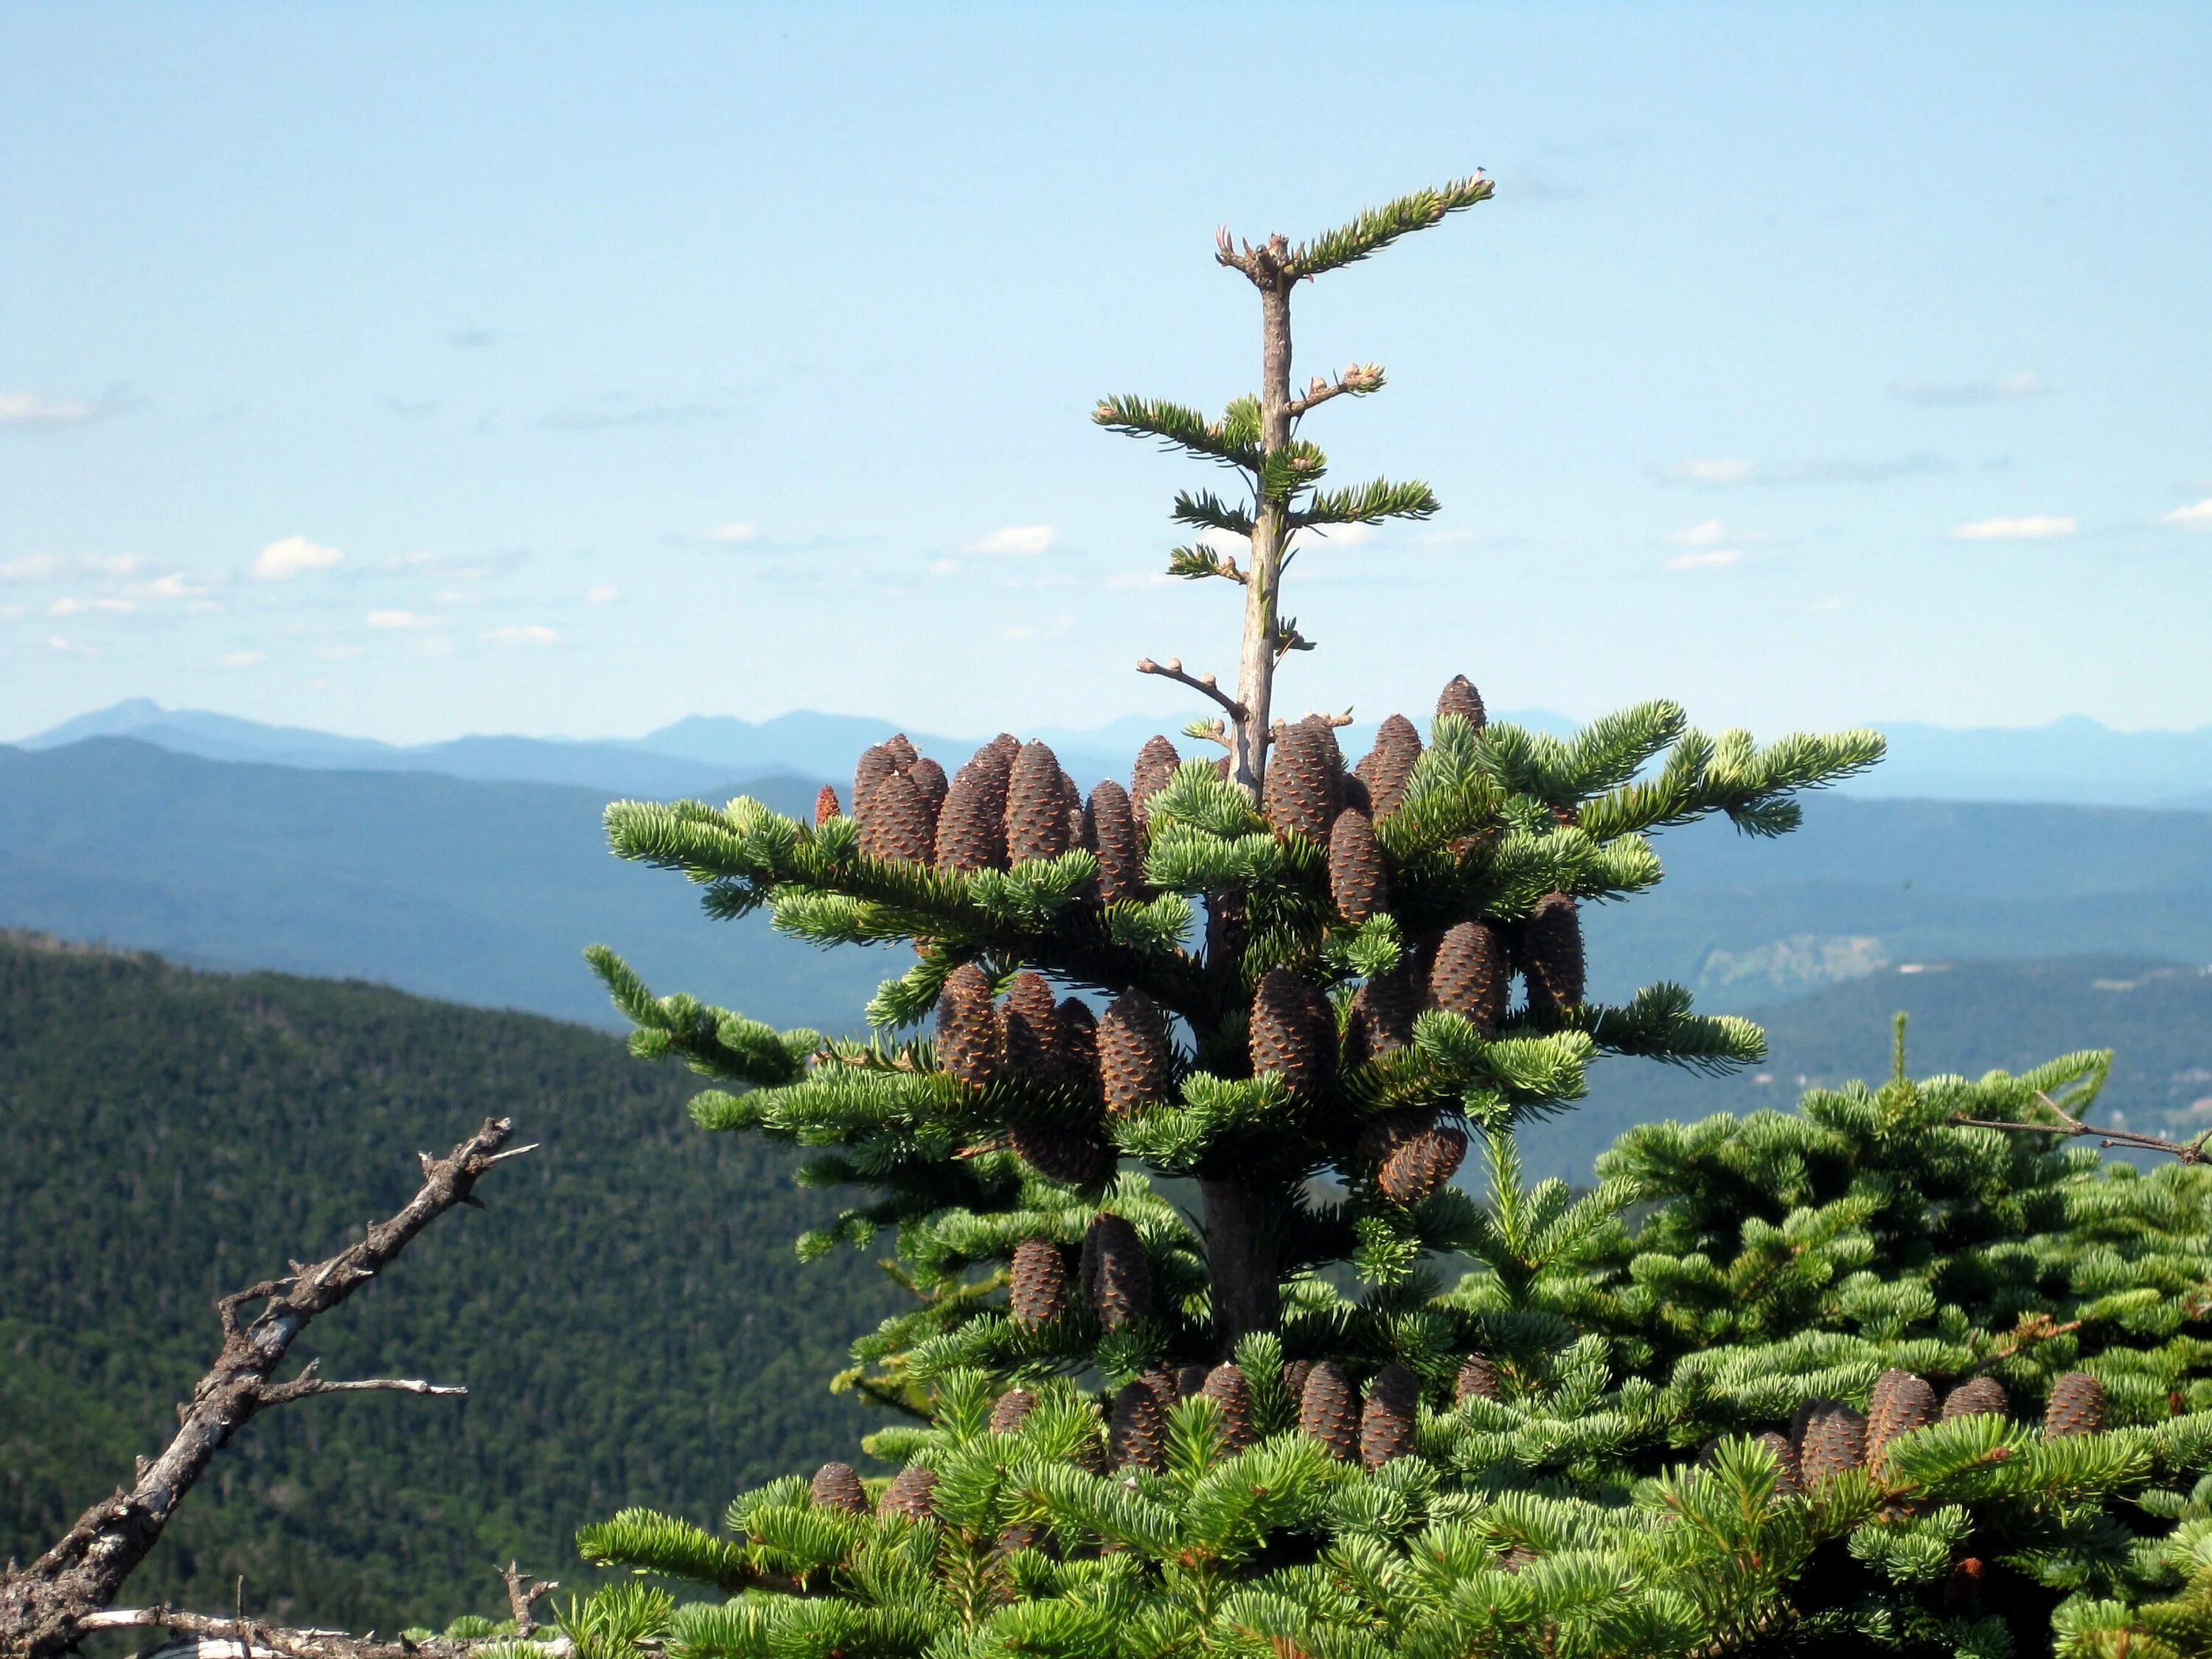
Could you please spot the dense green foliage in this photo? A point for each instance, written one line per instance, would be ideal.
(627, 1314)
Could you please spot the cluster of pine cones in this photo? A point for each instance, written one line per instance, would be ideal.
(1827, 1437)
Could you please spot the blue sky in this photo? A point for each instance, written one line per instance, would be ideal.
(408, 371)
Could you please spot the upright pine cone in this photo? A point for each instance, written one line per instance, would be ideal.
(1788, 1480)
(1460, 697)
(1191, 1379)
(1384, 1132)
(1166, 1387)
(825, 807)
(1329, 1411)
(837, 1486)
(912, 1493)
(1006, 746)
(1032, 1020)
(1552, 955)
(1078, 1042)
(971, 825)
(971, 1042)
(1061, 1155)
(1356, 880)
(1008, 1410)
(1383, 1010)
(896, 822)
(1419, 1167)
(1477, 1380)
(1468, 975)
(874, 765)
(1831, 1437)
(1900, 1403)
(1117, 1277)
(1226, 1387)
(1303, 787)
(1135, 1064)
(1109, 830)
(1039, 1291)
(901, 751)
(1389, 765)
(1286, 1033)
(1157, 763)
(2076, 1406)
(1387, 1423)
(1036, 810)
(1977, 1396)
(1137, 1437)
(929, 780)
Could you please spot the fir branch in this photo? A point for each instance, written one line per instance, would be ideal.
(1178, 428)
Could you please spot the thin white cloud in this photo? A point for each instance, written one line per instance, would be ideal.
(2031, 528)
(245, 658)
(337, 652)
(281, 559)
(942, 567)
(2198, 516)
(49, 567)
(400, 619)
(520, 634)
(1336, 535)
(1699, 535)
(603, 594)
(27, 411)
(73, 606)
(1142, 578)
(729, 534)
(1025, 539)
(1712, 558)
(31, 568)
(1959, 393)
(1727, 469)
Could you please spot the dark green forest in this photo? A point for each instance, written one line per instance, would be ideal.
(627, 1313)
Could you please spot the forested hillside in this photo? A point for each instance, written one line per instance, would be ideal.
(627, 1314)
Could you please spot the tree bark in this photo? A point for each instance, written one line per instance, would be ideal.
(1241, 1259)
(1256, 675)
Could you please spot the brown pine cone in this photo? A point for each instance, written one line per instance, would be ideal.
(971, 825)
(1551, 953)
(912, 1493)
(1460, 697)
(1022, 1535)
(1166, 1386)
(1295, 1373)
(2076, 1406)
(1157, 763)
(1285, 1037)
(971, 1040)
(1831, 1437)
(1387, 1423)
(1190, 1380)
(896, 822)
(1060, 1155)
(1477, 1380)
(1037, 811)
(1383, 1010)
(1109, 830)
(1329, 1411)
(1038, 1294)
(1032, 1020)
(1900, 1403)
(1071, 807)
(1304, 789)
(874, 765)
(1976, 1396)
(1226, 1387)
(901, 751)
(1138, 1436)
(1135, 1064)
(1357, 797)
(825, 807)
(1416, 1170)
(1008, 1410)
(1384, 1132)
(1789, 1482)
(929, 783)
(1356, 879)
(1117, 1276)
(1389, 766)
(1078, 1042)
(1006, 746)
(837, 1486)
(1468, 974)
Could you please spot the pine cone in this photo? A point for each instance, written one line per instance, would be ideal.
(1294, 1379)
(1190, 1380)
(1357, 797)
(1477, 1380)
(837, 1486)
(1551, 956)
(971, 825)
(1329, 1411)
(1460, 697)
(1468, 974)
(874, 765)
(1039, 1291)
(1387, 1424)
(896, 822)
(1900, 1403)
(825, 807)
(1285, 1036)
(1032, 1020)
(1226, 1387)
(1157, 763)
(1022, 1535)
(1037, 811)
(1008, 1410)
(1787, 1481)
(1356, 880)
(1166, 1387)
(1117, 1277)
(1419, 1169)
(1109, 830)
(1138, 1436)
(2076, 1406)
(1389, 765)
(1384, 1132)
(929, 780)
(1135, 1064)
(1977, 1396)
(1078, 1042)
(971, 1042)
(1303, 790)
(1071, 806)
(1831, 1437)
(912, 1492)
(1071, 1159)
(1383, 1010)
(1006, 746)
(900, 752)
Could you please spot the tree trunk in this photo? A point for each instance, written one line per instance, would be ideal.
(1241, 1259)
(1256, 676)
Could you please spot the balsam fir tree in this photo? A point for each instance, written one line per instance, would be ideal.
(1240, 1412)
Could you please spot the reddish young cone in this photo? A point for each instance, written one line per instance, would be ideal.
(825, 807)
